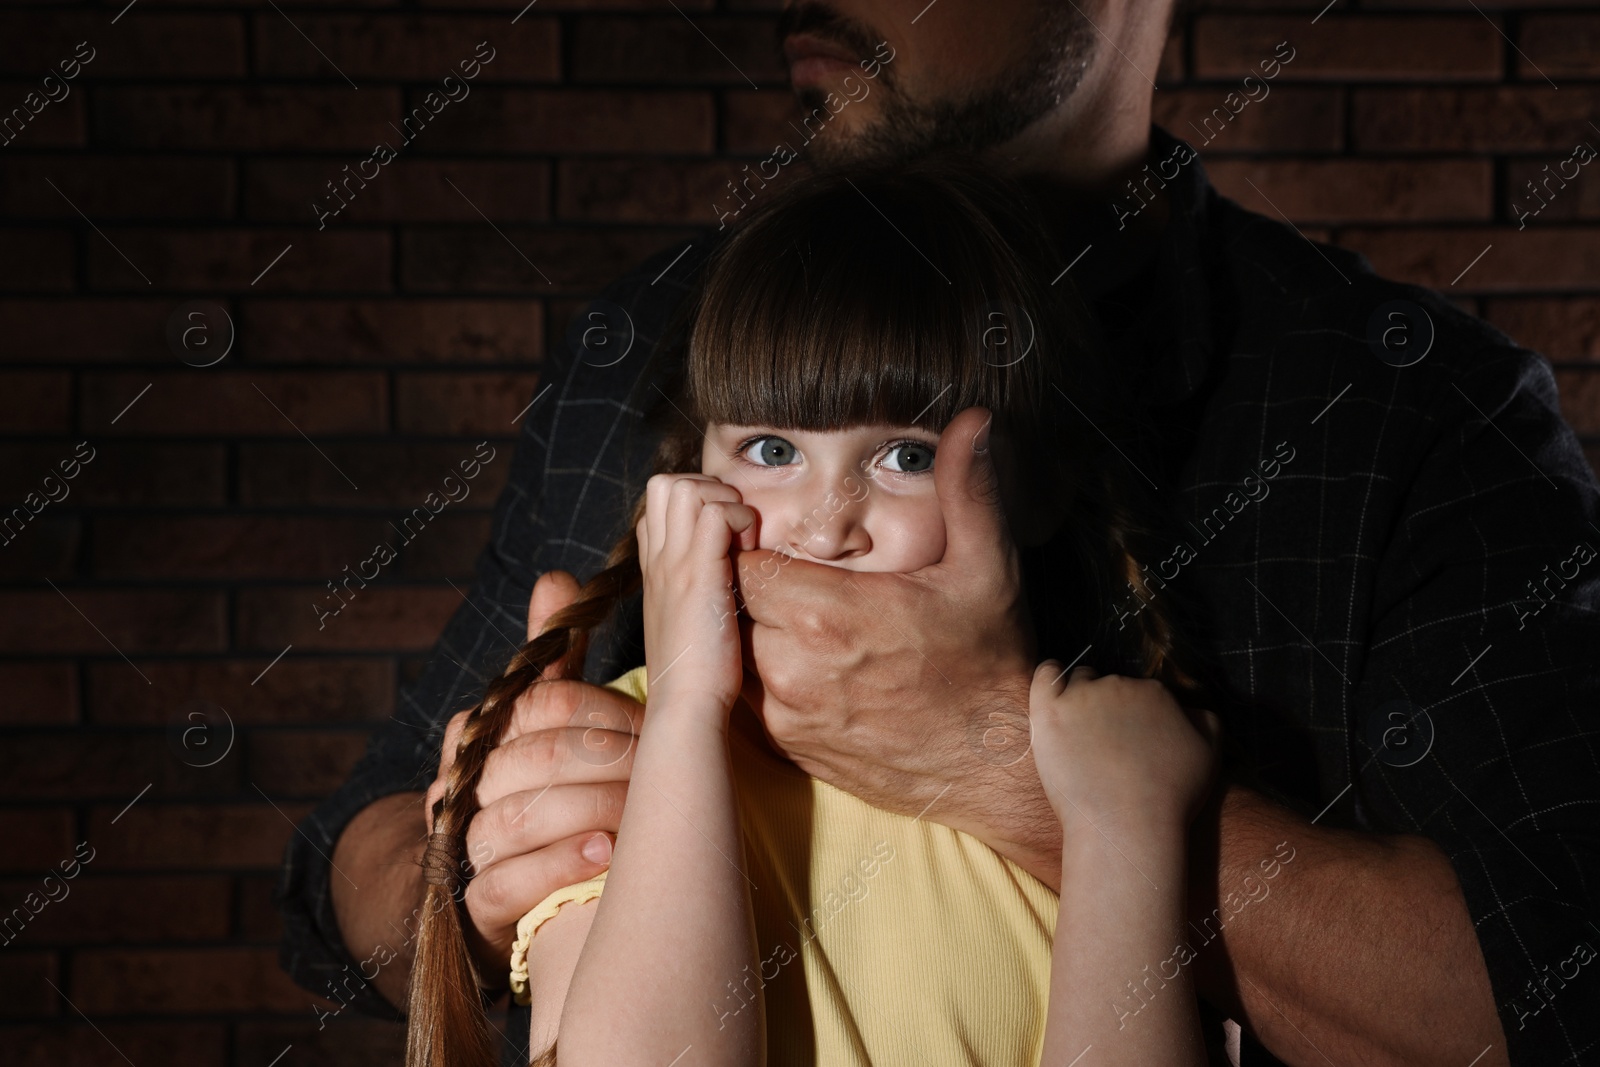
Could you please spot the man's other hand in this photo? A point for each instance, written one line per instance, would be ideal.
(557, 780)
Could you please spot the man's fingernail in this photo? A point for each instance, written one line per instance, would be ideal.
(980, 440)
(597, 849)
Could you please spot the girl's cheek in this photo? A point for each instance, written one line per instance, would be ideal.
(912, 532)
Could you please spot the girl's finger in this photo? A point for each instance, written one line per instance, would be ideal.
(1082, 674)
(720, 523)
(1048, 679)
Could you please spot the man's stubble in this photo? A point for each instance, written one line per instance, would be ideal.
(1050, 69)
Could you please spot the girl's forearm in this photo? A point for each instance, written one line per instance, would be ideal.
(674, 926)
(1117, 982)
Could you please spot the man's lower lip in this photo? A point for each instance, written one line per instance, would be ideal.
(815, 68)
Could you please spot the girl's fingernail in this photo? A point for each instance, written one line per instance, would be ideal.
(597, 849)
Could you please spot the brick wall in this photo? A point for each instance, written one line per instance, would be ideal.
(169, 699)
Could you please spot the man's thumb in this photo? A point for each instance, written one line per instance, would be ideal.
(968, 486)
(553, 591)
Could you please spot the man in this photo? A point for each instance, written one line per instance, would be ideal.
(1391, 553)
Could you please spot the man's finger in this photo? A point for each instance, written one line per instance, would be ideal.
(553, 591)
(977, 537)
(508, 889)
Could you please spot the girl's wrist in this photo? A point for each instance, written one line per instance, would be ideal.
(1150, 828)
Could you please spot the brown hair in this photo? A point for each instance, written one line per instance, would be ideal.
(895, 294)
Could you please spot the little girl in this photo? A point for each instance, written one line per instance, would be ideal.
(752, 914)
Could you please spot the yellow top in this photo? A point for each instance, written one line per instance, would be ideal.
(877, 933)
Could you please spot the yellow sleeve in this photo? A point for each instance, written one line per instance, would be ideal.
(529, 924)
(633, 684)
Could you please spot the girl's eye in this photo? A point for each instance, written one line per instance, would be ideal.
(910, 457)
(770, 452)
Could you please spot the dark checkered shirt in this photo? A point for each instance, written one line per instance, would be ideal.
(1407, 604)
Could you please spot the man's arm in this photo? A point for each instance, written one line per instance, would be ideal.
(1309, 937)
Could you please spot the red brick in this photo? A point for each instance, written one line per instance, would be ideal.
(54, 125)
(394, 331)
(304, 763)
(1580, 399)
(28, 465)
(376, 618)
(117, 909)
(1558, 46)
(389, 475)
(81, 330)
(670, 192)
(574, 121)
(109, 188)
(1352, 48)
(36, 838)
(48, 547)
(671, 49)
(210, 981)
(1173, 67)
(260, 922)
(1287, 119)
(233, 546)
(105, 766)
(36, 261)
(459, 405)
(25, 979)
(154, 836)
(147, 621)
(178, 46)
(1346, 190)
(477, 259)
(1551, 197)
(1559, 328)
(144, 475)
(76, 1043)
(35, 403)
(1521, 118)
(294, 690)
(1543, 258)
(240, 260)
(393, 47)
(244, 119)
(347, 1040)
(252, 403)
(406, 190)
(38, 694)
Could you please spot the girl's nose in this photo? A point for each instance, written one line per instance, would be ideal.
(832, 530)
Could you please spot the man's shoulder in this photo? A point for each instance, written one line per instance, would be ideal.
(1317, 302)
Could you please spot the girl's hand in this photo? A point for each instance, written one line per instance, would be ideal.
(1119, 750)
(691, 630)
